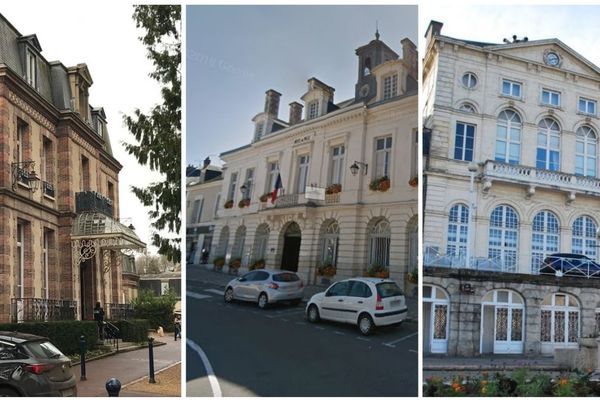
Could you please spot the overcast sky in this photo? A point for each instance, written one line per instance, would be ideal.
(105, 38)
(236, 53)
(576, 26)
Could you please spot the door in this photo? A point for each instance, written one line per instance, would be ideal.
(438, 325)
(356, 301)
(291, 253)
(87, 289)
(334, 301)
(242, 289)
(502, 322)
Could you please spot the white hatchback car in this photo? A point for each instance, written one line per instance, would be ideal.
(266, 286)
(366, 302)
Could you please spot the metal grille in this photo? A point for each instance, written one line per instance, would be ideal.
(380, 244)
(546, 326)
(516, 331)
(440, 321)
(573, 326)
(34, 309)
(559, 326)
(597, 321)
(501, 324)
(118, 311)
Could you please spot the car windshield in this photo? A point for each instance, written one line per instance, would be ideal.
(43, 349)
(286, 277)
(388, 289)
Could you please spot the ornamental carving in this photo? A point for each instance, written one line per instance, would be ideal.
(33, 113)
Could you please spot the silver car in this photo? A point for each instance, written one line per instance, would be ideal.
(266, 286)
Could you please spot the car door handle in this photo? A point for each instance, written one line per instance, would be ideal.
(340, 299)
(360, 302)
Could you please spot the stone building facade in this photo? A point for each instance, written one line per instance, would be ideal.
(325, 212)
(510, 178)
(60, 240)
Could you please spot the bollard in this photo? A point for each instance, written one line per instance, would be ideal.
(82, 349)
(151, 359)
(113, 387)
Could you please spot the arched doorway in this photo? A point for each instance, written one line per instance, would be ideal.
(502, 313)
(292, 237)
(223, 242)
(436, 313)
(559, 327)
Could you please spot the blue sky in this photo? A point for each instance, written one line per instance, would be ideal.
(236, 53)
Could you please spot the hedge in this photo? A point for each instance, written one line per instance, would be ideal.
(133, 330)
(157, 310)
(63, 334)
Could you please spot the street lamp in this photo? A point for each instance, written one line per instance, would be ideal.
(356, 166)
(24, 172)
(473, 168)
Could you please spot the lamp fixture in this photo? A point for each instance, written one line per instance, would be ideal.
(357, 165)
(24, 173)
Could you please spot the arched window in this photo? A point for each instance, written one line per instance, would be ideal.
(239, 242)
(559, 326)
(379, 244)
(545, 238)
(329, 243)
(223, 242)
(467, 107)
(585, 151)
(548, 145)
(458, 230)
(584, 237)
(508, 137)
(261, 240)
(504, 237)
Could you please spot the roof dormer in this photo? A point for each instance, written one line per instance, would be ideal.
(30, 51)
(318, 100)
(267, 121)
(80, 81)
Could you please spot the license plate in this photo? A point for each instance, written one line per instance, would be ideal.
(394, 303)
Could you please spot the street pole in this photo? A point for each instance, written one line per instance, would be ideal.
(472, 170)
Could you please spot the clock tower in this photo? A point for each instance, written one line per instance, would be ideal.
(370, 56)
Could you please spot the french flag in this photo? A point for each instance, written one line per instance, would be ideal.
(278, 186)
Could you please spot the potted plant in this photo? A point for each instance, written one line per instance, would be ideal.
(244, 203)
(234, 265)
(376, 270)
(327, 269)
(228, 204)
(265, 197)
(258, 264)
(414, 181)
(413, 276)
(218, 263)
(380, 184)
(333, 189)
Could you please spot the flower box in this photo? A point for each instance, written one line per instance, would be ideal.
(228, 204)
(380, 184)
(333, 189)
(265, 197)
(244, 203)
(414, 181)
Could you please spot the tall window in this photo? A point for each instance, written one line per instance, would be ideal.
(313, 109)
(504, 237)
(20, 266)
(548, 145)
(390, 86)
(111, 190)
(232, 186)
(587, 106)
(85, 173)
(550, 97)
(21, 138)
(508, 137)
(31, 68)
(330, 241)
(379, 244)
(383, 154)
(46, 261)
(511, 88)
(217, 205)
(302, 173)
(545, 238)
(458, 230)
(273, 170)
(260, 126)
(585, 151)
(584, 237)
(559, 320)
(197, 210)
(249, 183)
(260, 242)
(239, 242)
(337, 164)
(464, 140)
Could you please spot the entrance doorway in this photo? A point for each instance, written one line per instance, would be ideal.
(292, 238)
(502, 313)
(436, 307)
(87, 288)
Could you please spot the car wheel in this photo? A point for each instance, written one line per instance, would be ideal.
(263, 301)
(228, 296)
(365, 324)
(295, 302)
(313, 314)
(8, 392)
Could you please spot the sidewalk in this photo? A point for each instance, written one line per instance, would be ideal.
(204, 273)
(126, 367)
(488, 363)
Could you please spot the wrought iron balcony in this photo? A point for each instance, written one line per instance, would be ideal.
(34, 309)
(116, 311)
(495, 170)
(48, 189)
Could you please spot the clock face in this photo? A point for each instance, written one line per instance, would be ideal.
(552, 58)
(364, 91)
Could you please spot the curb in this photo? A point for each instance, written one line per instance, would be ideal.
(114, 353)
(146, 376)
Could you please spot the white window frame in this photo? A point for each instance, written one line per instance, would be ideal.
(383, 156)
(232, 186)
(587, 240)
(390, 86)
(312, 110)
(337, 164)
(302, 170)
(586, 136)
(249, 183)
(380, 243)
(216, 210)
(586, 103)
(548, 133)
(31, 68)
(469, 80)
(272, 176)
(458, 231)
(545, 238)
(330, 240)
(510, 125)
(552, 94)
(511, 88)
(508, 254)
(463, 145)
(45, 263)
(19, 279)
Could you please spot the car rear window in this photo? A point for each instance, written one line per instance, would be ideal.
(286, 277)
(43, 349)
(388, 289)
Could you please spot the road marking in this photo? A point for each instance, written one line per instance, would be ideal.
(339, 333)
(364, 339)
(392, 343)
(212, 379)
(197, 296)
(319, 328)
(215, 291)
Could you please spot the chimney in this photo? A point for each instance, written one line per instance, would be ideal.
(434, 29)
(295, 113)
(272, 102)
(206, 162)
(410, 57)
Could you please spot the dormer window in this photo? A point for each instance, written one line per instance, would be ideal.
(259, 129)
(99, 128)
(313, 110)
(390, 86)
(31, 68)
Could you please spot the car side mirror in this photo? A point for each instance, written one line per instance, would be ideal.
(242, 279)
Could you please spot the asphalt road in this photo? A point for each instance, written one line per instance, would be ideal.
(276, 352)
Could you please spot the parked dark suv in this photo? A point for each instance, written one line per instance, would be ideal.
(32, 366)
(570, 264)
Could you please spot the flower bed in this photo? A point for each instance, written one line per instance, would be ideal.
(258, 264)
(234, 265)
(218, 263)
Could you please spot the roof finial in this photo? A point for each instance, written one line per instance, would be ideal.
(376, 30)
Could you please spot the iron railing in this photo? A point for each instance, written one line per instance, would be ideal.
(111, 335)
(116, 311)
(48, 189)
(35, 309)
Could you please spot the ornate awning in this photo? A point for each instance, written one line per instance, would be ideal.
(93, 231)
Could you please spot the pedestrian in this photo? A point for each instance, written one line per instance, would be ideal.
(99, 318)
(177, 324)
(204, 257)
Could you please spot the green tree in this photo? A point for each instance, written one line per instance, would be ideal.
(158, 132)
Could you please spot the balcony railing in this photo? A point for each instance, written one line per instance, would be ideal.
(48, 189)
(540, 177)
(288, 200)
(23, 176)
(117, 311)
(333, 198)
(34, 309)
(504, 263)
